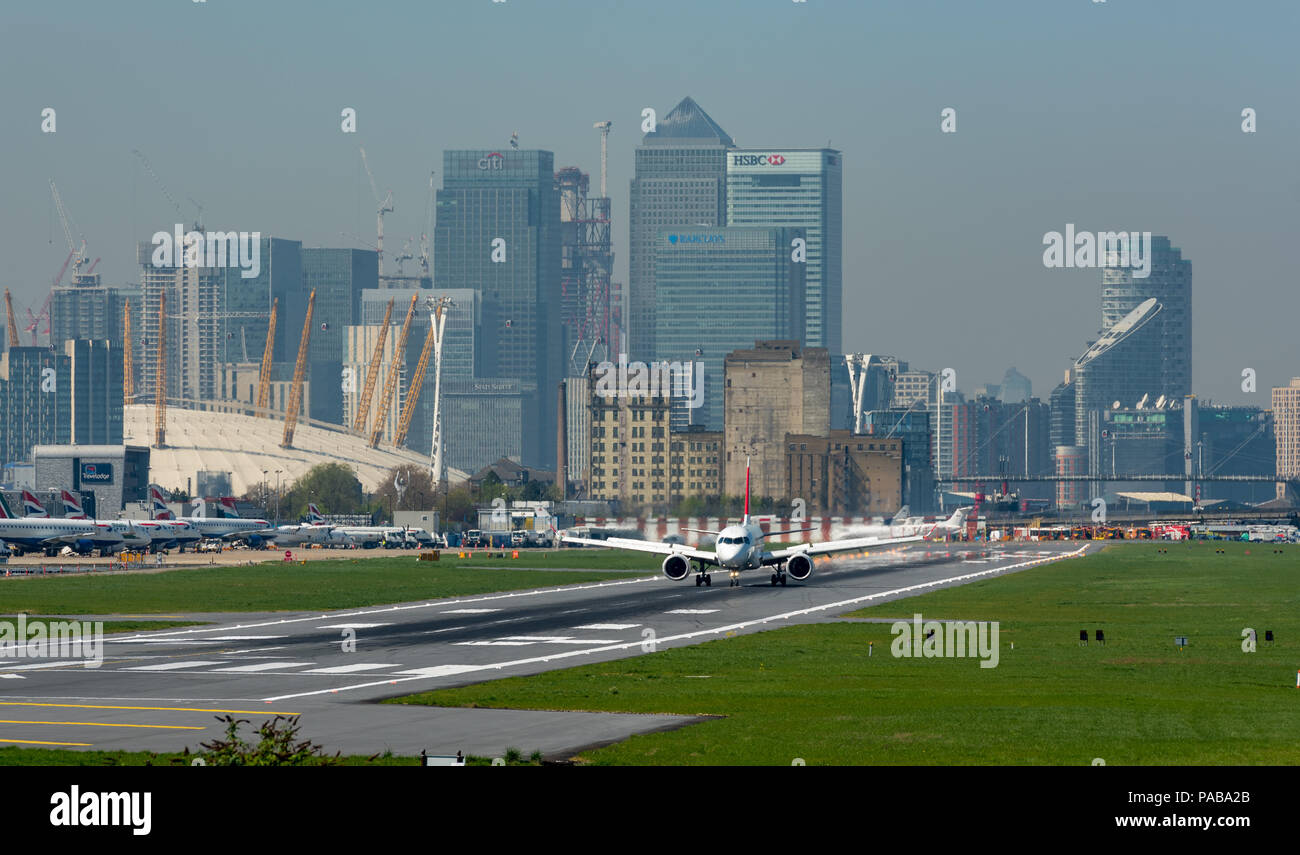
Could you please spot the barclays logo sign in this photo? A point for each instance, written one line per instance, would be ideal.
(697, 238)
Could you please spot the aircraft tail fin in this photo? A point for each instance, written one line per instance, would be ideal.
(228, 507)
(32, 507)
(72, 506)
(746, 491)
(313, 513)
(5, 513)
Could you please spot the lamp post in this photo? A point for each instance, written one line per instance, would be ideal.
(277, 495)
(266, 495)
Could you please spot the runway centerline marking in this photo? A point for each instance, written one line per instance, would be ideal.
(261, 666)
(175, 666)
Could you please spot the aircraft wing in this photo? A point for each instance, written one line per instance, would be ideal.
(831, 546)
(647, 546)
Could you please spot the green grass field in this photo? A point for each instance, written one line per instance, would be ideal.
(329, 584)
(814, 693)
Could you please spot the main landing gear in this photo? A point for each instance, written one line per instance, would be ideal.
(703, 578)
(778, 578)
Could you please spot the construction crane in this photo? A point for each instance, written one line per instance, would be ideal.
(13, 326)
(417, 379)
(264, 376)
(604, 128)
(428, 228)
(390, 384)
(160, 379)
(128, 360)
(299, 370)
(163, 187)
(34, 321)
(78, 252)
(372, 374)
(385, 205)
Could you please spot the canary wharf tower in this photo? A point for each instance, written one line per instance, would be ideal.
(680, 182)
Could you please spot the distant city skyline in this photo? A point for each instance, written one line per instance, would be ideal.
(1103, 115)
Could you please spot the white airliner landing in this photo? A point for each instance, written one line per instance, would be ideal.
(740, 548)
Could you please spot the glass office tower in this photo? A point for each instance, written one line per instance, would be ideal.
(720, 290)
(498, 232)
(800, 188)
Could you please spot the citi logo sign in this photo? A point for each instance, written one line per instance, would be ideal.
(757, 159)
(495, 160)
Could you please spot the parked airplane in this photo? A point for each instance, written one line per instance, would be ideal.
(33, 509)
(906, 527)
(255, 531)
(51, 535)
(740, 547)
(371, 536)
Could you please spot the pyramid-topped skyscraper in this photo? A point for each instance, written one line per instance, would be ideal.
(680, 180)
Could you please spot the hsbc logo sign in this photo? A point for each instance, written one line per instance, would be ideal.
(757, 159)
(495, 160)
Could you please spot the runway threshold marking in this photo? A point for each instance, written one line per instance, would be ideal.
(702, 632)
(104, 724)
(110, 707)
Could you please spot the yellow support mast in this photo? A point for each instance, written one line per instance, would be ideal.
(299, 371)
(264, 376)
(372, 375)
(394, 369)
(414, 387)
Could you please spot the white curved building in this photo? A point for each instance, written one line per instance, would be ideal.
(249, 449)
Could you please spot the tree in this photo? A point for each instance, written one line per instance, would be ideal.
(420, 494)
(333, 487)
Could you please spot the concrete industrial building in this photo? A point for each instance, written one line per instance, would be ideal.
(842, 473)
(776, 388)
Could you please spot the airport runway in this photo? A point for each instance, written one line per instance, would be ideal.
(160, 690)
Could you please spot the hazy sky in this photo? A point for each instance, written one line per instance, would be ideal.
(1117, 115)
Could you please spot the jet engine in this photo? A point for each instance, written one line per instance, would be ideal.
(799, 567)
(676, 567)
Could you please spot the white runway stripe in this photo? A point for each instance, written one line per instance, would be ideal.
(37, 665)
(609, 626)
(442, 670)
(354, 625)
(245, 637)
(348, 669)
(691, 612)
(468, 611)
(261, 666)
(176, 666)
(495, 643)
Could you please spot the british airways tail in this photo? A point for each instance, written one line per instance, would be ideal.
(72, 506)
(158, 505)
(313, 513)
(32, 507)
(228, 507)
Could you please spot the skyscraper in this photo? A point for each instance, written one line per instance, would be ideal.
(35, 401)
(498, 232)
(96, 394)
(1286, 416)
(338, 276)
(1169, 282)
(800, 188)
(680, 181)
(721, 290)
